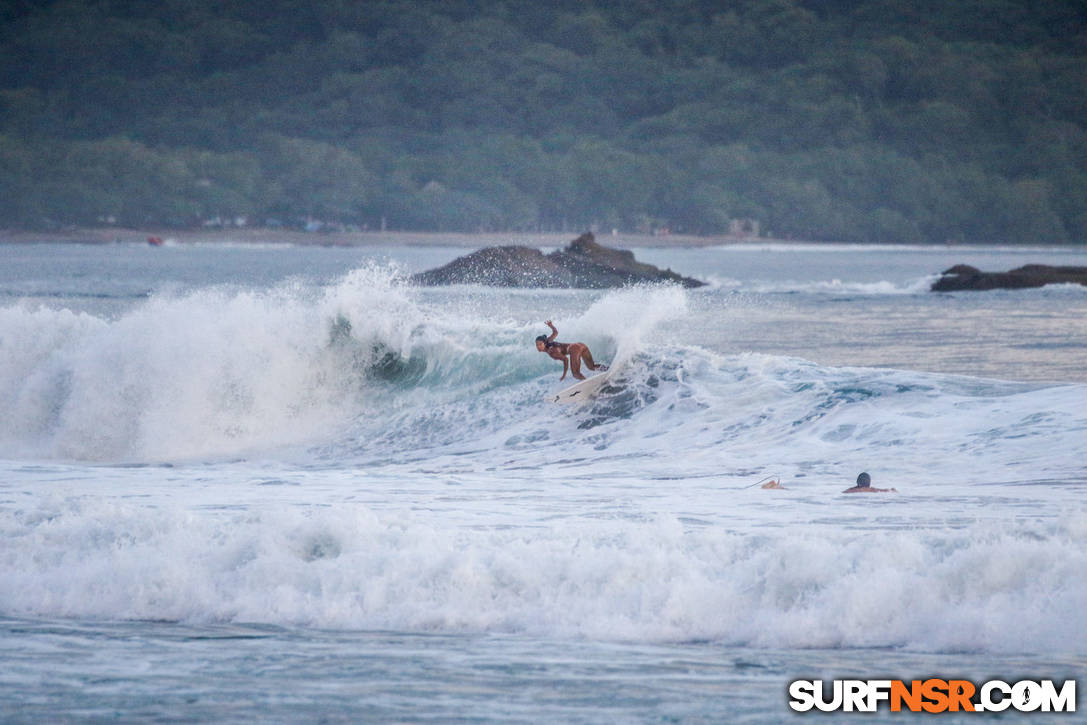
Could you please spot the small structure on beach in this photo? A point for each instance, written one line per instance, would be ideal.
(743, 227)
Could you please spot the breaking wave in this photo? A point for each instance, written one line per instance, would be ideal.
(979, 588)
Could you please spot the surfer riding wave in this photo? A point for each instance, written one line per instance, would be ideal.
(572, 354)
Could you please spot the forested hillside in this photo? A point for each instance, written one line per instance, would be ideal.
(870, 120)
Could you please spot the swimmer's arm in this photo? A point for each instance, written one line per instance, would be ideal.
(554, 332)
(565, 367)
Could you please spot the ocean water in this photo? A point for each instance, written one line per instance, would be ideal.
(273, 483)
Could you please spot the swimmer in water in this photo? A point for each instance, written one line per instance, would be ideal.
(864, 485)
(572, 354)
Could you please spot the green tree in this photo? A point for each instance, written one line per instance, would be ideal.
(314, 179)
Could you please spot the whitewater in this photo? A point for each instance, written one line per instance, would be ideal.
(263, 482)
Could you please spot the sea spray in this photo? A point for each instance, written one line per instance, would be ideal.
(213, 372)
(629, 315)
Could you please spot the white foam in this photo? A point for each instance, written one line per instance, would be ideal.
(920, 285)
(1012, 588)
(213, 372)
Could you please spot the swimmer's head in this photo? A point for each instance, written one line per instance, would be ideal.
(541, 342)
(864, 480)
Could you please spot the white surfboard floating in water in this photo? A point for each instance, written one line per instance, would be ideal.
(582, 390)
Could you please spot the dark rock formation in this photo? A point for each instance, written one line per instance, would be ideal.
(583, 263)
(965, 277)
(499, 267)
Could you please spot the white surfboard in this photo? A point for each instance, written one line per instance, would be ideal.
(581, 391)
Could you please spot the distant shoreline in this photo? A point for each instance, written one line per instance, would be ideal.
(257, 235)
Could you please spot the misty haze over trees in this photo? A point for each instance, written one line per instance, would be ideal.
(876, 120)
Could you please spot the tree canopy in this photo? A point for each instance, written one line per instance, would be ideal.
(866, 120)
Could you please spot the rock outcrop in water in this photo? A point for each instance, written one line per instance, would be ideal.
(583, 264)
(965, 277)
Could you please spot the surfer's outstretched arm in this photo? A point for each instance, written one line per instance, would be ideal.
(554, 332)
